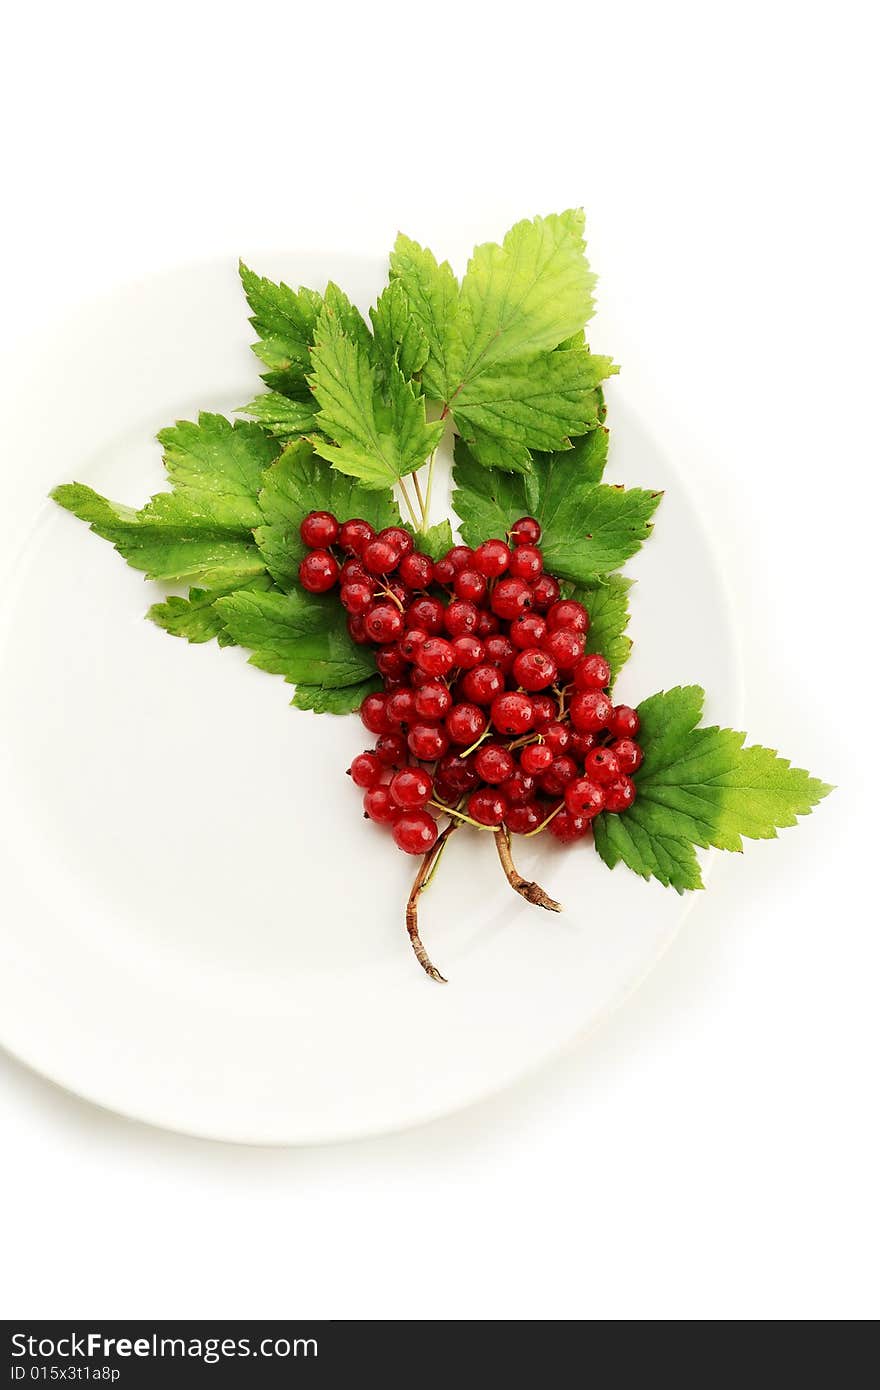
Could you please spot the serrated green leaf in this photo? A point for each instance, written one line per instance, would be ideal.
(589, 529)
(699, 786)
(180, 538)
(220, 459)
(607, 602)
(299, 482)
(436, 540)
(431, 292)
(285, 321)
(344, 700)
(537, 402)
(299, 636)
(197, 618)
(282, 417)
(522, 297)
(398, 337)
(374, 440)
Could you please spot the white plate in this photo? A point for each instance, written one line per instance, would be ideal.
(198, 928)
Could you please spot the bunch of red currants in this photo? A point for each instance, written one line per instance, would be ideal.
(492, 711)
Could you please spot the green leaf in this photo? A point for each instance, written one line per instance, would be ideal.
(589, 529)
(537, 402)
(184, 537)
(285, 321)
(522, 297)
(299, 482)
(197, 618)
(281, 416)
(374, 440)
(344, 700)
(398, 337)
(435, 541)
(218, 458)
(607, 602)
(699, 786)
(431, 292)
(299, 636)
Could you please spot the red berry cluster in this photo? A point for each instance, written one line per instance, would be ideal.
(486, 682)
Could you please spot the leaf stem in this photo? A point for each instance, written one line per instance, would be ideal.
(418, 488)
(409, 506)
(422, 879)
(527, 888)
(429, 486)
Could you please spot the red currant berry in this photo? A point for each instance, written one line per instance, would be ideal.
(401, 706)
(355, 534)
(545, 711)
(444, 572)
(470, 584)
(365, 770)
(436, 656)
(415, 832)
(427, 742)
(416, 570)
(418, 677)
(565, 647)
(380, 557)
(561, 771)
(465, 723)
(526, 531)
(427, 614)
(357, 631)
(390, 662)
(568, 613)
(460, 617)
(601, 765)
(411, 642)
(592, 672)
(512, 713)
(511, 598)
(493, 763)
(488, 624)
(590, 711)
(401, 540)
(545, 591)
(469, 652)
(500, 651)
(486, 806)
(528, 630)
(374, 714)
(353, 572)
(519, 788)
(557, 736)
(567, 828)
(620, 795)
(536, 758)
(629, 755)
(584, 797)
(526, 562)
(433, 701)
(379, 806)
(522, 820)
(356, 598)
(411, 788)
(624, 722)
(384, 622)
(458, 774)
(319, 529)
(482, 684)
(460, 557)
(534, 670)
(318, 572)
(492, 558)
(391, 750)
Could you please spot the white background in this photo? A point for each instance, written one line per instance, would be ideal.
(712, 1153)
